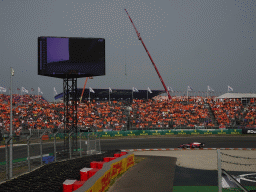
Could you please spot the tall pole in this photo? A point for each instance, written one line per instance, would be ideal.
(132, 96)
(21, 96)
(12, 73)
(147, 94)
(109, 95)
(187, 93)
(89, 95)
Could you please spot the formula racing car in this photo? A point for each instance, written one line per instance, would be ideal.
(192, 145)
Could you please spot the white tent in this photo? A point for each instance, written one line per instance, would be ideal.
(236, 96)
(244, 97)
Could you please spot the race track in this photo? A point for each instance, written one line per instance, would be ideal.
(142, 143)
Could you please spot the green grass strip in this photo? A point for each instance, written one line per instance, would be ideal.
(14, 161)
(207, 189)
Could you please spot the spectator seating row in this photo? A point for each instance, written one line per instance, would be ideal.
(31, 112)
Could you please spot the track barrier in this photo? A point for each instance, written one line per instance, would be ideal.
(161, 132)
(98, 176)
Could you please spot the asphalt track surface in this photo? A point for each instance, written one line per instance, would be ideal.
(142, 143)
(183, 176)
(150, 175)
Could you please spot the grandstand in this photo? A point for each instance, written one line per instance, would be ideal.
(31, 112)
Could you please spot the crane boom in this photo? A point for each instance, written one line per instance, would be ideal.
(138, 34)
(83, 89)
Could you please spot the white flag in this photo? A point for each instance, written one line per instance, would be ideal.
(110, 90)
(24, 90)
(209, 88)
(149, 90)
(39, 90)
(190, 88)
(2, 89)
(91, 90)
(12, 71)
(55, 91)
(134, 89)
(169, 89)
(230, 88)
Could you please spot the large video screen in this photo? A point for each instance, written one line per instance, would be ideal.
(71, 57)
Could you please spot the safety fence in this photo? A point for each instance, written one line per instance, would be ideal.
(29, 156)
(236, 172)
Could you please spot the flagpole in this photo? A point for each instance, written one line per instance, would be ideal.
(147, 94)
(89, 95)
(187, 94)
(132, 96)
(11, 142)
(109, 95)
(21, 96)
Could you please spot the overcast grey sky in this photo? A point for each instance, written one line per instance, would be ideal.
(192, 42)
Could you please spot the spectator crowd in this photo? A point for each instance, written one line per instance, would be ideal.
(33, 112)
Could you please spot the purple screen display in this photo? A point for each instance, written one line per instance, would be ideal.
(57, 49)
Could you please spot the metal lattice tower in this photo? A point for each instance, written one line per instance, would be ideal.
(70, 112)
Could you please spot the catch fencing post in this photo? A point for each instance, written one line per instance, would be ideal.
(55, 155)
(80, 144)
(28, 142)
(88, 144)
(219, 171)
(8, 168)
(99, 145)
(41, 147)
(70, 154)
(95, 137)
(6, 160)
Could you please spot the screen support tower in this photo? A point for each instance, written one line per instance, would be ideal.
(70, 112)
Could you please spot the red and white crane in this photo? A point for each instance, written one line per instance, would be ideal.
(84, 87)
(138, 34)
